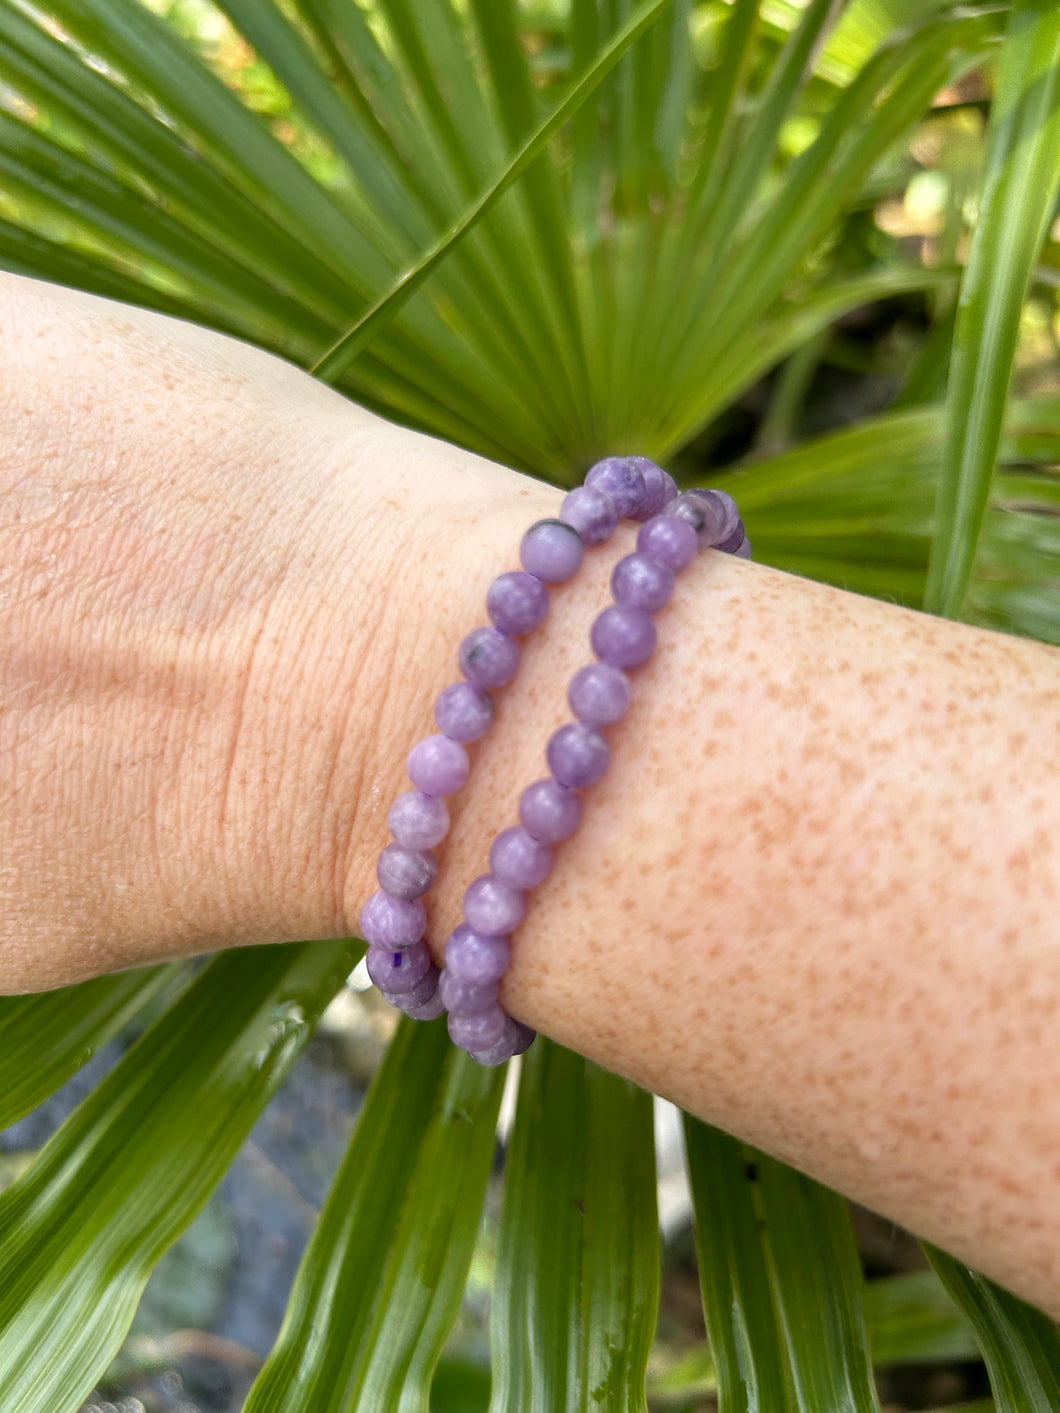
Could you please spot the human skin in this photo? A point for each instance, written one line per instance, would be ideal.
(814, 900)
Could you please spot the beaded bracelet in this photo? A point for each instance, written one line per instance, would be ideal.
(393, 921)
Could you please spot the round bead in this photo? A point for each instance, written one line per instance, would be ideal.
(578, 755)
(518, 859)
(406, 873)
(623, 637)
(549, 812)
(599, 695)
(477, 1032)
(659, 488)
(670, 540)
(419, 995)
(465, 998)
(525, 1037)
(464, 712)
(728, 527)
(438, 766)
(428, 1010)
(488, 658)
(621, 479)
(592, 512)
(517, 602)
(493, 907)
(502, 1049)
(398, 971)
(552, 550)
(418, 821)
(476, 957)
(392, 922)
(641, 581)
(743, 550)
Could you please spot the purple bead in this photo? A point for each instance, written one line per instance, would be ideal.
(592, 512)
(549, 812)
(518, 859)
(552, 550)
(728, 529)
(466, 998)
(525, 1037)
(464, 712)
(418, 821)
(488, 657)
(406, 873)
(502, 1049)
(623, 637)
(517, 602)
(398, 971)
(477, 1032)
(578, 755)
(621, 479)
(419, 995)
(659, 488)
(392, 922)
(642, 582)
(599, 695)
(438, 766)
(476, 957)
(670, 540)
(492, 906)
(743, 550)
(428, 1010)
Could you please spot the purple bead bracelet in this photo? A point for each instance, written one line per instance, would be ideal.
(674, 527)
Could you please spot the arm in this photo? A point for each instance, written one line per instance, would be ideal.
(814, 901)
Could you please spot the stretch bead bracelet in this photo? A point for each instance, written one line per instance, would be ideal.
(673, 528)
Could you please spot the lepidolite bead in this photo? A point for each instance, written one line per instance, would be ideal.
(478, 1032)
(427, 1010)
(621, 479)
(406, 873)
(728, 528)
(425, 990)
(578, 755)
(705, 516)
(476, 957)
(641, 581)
(400, 970)
(517, 602)
(623, 636)
(552, 550)
(438, 766)
(464, 712)
(599, 695)
(743, 550)
(518, 859)
(392, 922)
(659, 488)
(488, 657)
(417, 820)
(492, 906)
(670, 540)
(466, 998)
(502, 1049)
(524, 1037)
(549, 812)
(592, 512)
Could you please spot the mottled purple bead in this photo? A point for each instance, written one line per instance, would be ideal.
(549, 812)
(488, 657)
(438, 766)
(704, 516)
(524, 1037)
(728, 531)
(398, 971)
(743, 550)
(623, 637)
(492, 906)
(641, 581)
(659, 488)
(599, 695)
(552, 550)
(427, 1010)
(621, 479)
(670, 540)
(464, 712)
(477, 1032)
(518, 859)
(592, 512)
(406, 873)
(418, 821)
(466, 998)
(517, 602)
(502, 1049)
(578, 755)
(392, 922)
(419, 995)
(476, 956)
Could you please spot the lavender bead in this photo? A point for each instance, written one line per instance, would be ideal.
(743, 550)
(623, 637)
(518, 859)
(578, 755)
(464, 712)
(418, 821)
(622, 480)
(492, 906)
(428, 1010)
(659, 488)
(502, 1049)
(406, 873)
(552, 550)
(488, 658)
(642, 582)
(477, 1032)
(549, 812)
(517, 602)
(592, 512)
(392, 922)
(668, 539)
(419, 995)
(476, 957)
(438, 766)
(599, 695)
(729, 530)
(525, 1037)
(465, 998)
(398, 971)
